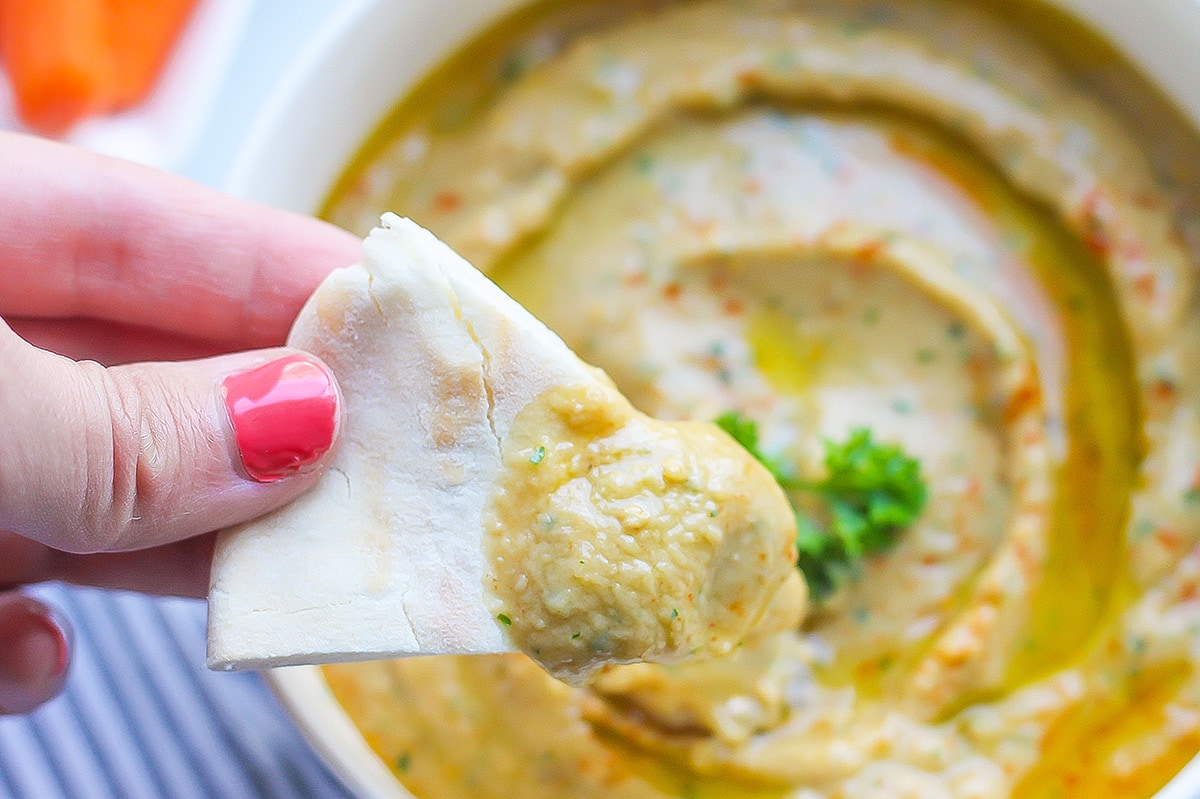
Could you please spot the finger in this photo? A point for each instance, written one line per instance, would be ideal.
(35, 652)
(98, 459)
(178, 569)
(112, 343)
(83, 235)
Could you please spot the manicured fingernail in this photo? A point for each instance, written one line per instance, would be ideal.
(284, 415)
(35, 656)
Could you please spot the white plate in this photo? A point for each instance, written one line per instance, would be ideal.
(374, 50)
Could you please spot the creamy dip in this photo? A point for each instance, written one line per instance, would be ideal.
(618, 538)
(974, 238)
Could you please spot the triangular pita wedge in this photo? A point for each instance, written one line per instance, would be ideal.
(411, 333)
(634, 539)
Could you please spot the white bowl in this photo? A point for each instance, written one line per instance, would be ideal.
(372, 51)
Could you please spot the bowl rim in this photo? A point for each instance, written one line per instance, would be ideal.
(308, 699)
(336, 68)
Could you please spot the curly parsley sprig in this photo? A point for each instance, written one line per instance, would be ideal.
(870, 492)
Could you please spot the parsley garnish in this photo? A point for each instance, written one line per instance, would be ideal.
(870, 492)
(538, 456)
(504, 619)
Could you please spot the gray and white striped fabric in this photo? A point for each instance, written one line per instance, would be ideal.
(142, 718)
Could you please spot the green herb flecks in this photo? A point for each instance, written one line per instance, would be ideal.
(870, 492)
(538, 456)
(504, 619)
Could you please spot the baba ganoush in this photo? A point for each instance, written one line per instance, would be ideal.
(976, 237)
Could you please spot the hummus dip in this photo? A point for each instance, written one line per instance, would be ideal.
(617, 538)
(976, 238)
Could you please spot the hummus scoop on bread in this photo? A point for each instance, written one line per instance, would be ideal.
(493, 493)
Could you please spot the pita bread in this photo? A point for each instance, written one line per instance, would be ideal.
(385, 556)
(428, 527)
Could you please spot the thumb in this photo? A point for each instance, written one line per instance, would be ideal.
(97, 459)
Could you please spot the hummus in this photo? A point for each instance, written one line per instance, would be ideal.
(618, 538)
(976, 239)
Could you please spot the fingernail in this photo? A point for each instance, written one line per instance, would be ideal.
(35, 657)
(284, 415)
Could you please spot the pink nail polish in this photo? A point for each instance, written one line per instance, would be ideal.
(36, 654)
(284, 415)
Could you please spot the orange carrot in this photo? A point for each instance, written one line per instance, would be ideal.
(143, 34)
(68, 59)
(58, 57)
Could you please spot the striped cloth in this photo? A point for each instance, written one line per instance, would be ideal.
(142, 718)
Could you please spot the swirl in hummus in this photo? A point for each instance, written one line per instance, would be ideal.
(910, 216)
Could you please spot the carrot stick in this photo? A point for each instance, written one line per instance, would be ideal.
(143, 34)
(58, 56)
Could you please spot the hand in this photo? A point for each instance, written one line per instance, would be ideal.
(115, 471)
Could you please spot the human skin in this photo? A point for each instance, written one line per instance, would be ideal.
(129, 301)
